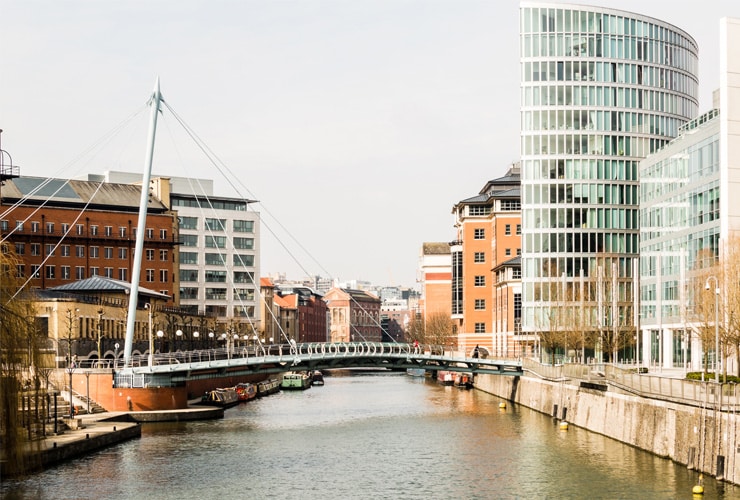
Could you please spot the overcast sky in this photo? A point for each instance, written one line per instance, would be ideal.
(358, 124)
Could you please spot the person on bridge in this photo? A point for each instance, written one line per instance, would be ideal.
(416, 346)
(475, 351)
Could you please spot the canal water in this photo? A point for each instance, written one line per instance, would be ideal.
(368, 435)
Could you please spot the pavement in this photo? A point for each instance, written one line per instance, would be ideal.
(88, 433)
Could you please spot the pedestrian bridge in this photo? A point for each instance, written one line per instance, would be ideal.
(172, 369)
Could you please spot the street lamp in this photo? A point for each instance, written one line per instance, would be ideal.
(179, 336)
(115, 355)
(100, 331)
(148, 307)
(210, 339)
(196, 334)
(160, 334)
(716, 325)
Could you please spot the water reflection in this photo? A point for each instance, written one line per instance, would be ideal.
(368, 435)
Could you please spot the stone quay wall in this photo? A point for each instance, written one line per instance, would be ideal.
(702, 438)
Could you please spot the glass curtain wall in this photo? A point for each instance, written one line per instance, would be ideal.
(600, 90)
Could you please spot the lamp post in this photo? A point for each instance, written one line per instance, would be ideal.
(178, 333)
(716, 325)
(100, 331)
(196, 335)
(115, 355)
(148, 307)
(160, 334)
(210, 339)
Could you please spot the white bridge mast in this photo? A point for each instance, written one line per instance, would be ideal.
(141, 226)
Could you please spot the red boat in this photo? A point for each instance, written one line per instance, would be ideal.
(246, 391)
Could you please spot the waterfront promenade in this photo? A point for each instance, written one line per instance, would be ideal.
(92, 432)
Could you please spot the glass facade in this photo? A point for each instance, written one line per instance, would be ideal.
(679, 220)
(600, 90)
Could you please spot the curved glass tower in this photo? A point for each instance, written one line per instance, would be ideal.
(600, 90)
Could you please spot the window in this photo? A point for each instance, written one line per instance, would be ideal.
(122, 231)
(49, 228)
(50, 272)
(507, 229)
(188, 275)
(36, 249)
(94, 271)
(149, 233)
(163, 255)
(215, 294)
(18, 225)
(108, 272)
(163, 275)
(162, 234)
(215, 276)
(243, 277)
(518, 251)
(480, 328)
(109, 230)
(189, 240)
(480, 281)
(243, 226)
(79, 251)
(79, 273)
(215, 259)
(149, 254)
(188, 223)
(188, 258)
(243, 243)
(122, 253)
(49, 249)
(507, 252)
(94, 252)
(35, 271)
(65, 227)
(108, 252)
(34, 227)
(20, 270)
(518, 229)
(123, 274)
(517, 274)
(479, 210)
(215, 241)
(150, 275)
(244, 311)
(188, 293)
(479, 257)
(480, 304)
(243, 260)
(80, 229)
(479, 234)
(243, 294)
(66, 273)
(65, 250)
(215, 224)
(94, 230)
(4, 225)
(20, 248)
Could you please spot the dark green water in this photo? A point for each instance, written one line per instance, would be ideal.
(369, 436)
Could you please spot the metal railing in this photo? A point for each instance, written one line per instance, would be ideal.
(678, 390)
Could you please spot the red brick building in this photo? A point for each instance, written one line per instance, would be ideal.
(355, 315)
(68, 230)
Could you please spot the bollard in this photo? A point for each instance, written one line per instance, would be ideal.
(87, 436)
(114, 428)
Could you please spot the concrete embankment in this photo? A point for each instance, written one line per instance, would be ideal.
(701, 438)
(90, 433)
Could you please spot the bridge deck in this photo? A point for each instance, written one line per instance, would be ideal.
(174, 368)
